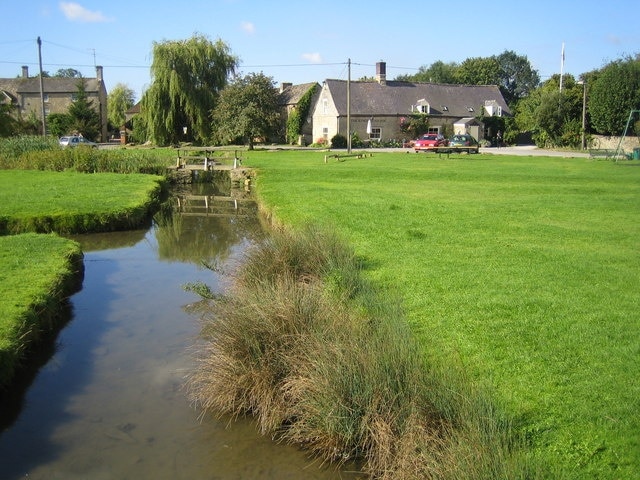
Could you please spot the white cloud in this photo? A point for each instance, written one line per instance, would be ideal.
(77, 13)
(248, 27)
(312, 57)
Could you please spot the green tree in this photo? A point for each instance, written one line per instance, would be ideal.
(8, 124)
(85, 119)
(516, 76)
(68, 73)
(247, 109)
(437, 72)
(613, 94)
(553, 117)
(187, 77)
(120, 99)
(479, 71)
(59, 124)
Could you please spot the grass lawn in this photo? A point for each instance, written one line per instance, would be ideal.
(71, 202)
(524, 270)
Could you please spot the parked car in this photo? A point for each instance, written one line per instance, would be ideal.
(429, 142)
(464, 143)
(76, 140)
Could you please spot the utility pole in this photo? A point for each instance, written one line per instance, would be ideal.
(44, 120)
(349, 106)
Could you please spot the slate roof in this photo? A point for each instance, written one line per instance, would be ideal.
(396, 98)
(21, 85)
(292, 94)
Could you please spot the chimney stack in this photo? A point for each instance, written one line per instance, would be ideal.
(25, 71)
(381, 72)
(284, 86)
(99, 73)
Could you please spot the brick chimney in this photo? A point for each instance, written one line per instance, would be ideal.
(381, 72)
(25, 71)
(99, 73)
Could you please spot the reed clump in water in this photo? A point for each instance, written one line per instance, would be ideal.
(324, 360)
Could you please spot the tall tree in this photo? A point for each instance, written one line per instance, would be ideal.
(68, 73)
(437, 72)
(479, 71)
(516, 76)
(120, 99)
(187, 76)
(8, 124)
(85, 119)
(248, 108)
(552, 117)
(613, 94)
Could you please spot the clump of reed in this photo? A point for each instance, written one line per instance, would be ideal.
(44, 153)
(11, 148)
(323, 360)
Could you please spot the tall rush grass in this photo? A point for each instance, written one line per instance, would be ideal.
(323, 360)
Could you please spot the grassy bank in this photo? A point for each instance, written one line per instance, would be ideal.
(36, 272)
(524, 270)
(71, 202)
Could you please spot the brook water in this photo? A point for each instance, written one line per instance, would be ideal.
(105, 400)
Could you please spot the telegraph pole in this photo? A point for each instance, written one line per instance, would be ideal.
(44, 121)
(349, 106)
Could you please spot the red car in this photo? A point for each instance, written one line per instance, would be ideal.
(429, 142)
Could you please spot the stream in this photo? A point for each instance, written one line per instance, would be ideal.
(105, 399)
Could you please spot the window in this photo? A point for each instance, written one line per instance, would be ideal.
(470, 109)
(376, 133)
(325, 106)
(499, 111)
(325, 132)
(444, 108)
(46, 98)
(74, 97)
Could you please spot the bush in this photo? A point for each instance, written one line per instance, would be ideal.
(339, 141)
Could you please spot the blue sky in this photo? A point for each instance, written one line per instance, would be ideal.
(299, 42)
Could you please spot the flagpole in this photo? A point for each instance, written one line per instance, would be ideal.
(561, 67)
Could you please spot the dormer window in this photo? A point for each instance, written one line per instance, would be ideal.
(423, 106)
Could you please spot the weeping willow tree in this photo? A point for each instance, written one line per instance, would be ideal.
(186, 76)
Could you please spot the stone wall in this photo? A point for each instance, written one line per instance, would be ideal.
(601, 141)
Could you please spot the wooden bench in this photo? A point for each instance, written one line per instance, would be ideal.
(340, 156)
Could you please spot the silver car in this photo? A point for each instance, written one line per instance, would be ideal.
(76, 140)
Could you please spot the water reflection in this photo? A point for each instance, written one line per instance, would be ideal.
(109, 403)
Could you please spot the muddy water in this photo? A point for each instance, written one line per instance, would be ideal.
(109, 402)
